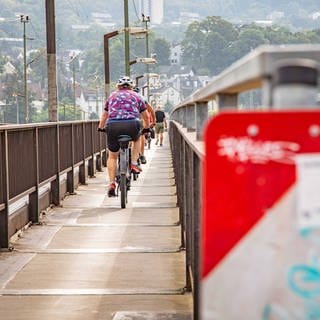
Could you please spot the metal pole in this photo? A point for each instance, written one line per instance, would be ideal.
(106, 38)
(146, 19)
(147, 55)
(24, 20)
(51, 62)
(126, 37)
(74, 89)
(17, 102)
(295, 84)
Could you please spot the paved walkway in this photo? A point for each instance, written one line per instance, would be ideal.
(92, 260)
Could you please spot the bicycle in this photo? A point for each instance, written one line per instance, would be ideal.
(123, 176)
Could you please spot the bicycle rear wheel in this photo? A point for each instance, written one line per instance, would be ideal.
(123, 190)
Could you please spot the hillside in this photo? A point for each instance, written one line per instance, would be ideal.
(295, 13)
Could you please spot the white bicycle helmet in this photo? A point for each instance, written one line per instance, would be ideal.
(125, 81)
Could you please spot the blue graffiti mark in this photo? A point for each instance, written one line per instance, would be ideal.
(304, 281)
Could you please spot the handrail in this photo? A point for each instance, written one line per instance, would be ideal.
(251, 71)
(60, 154)
(268, 68)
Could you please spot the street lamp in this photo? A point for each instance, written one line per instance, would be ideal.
(146, 20)
(73, 57)
(106, 37)
(25, 19)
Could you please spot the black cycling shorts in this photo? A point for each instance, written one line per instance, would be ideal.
(123, 127)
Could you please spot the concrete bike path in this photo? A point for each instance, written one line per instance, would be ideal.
(92, 260)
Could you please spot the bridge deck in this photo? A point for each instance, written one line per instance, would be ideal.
(92, 260)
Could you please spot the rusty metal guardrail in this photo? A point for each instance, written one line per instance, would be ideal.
(40, 164)
(273, 69)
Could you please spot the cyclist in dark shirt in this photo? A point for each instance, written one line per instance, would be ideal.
(161, 124)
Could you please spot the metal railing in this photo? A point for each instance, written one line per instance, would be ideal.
(40, 164)
(262, 68)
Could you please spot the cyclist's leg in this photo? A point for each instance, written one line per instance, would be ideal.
(161, 133)
(157, 127)
(136, 146)
(142, 145)
(135, 150)
(113, 148)
(112, 165)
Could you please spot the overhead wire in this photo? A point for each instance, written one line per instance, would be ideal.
(135, 9)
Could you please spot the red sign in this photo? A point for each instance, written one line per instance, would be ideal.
(249, 165)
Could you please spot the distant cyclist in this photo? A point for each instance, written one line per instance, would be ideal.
(161, 124)
(152, 120)
(121, 116)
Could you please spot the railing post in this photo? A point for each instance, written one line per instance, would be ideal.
(180, 116)
(92, 164)
(190, 118)
(34, 196)
(70, 174)
(4, 215)
(55, 184)
(295, 84)
(82, 169)
(184, 116)
(227, 100)
(201, 117)
(266, 93)
(197, 182)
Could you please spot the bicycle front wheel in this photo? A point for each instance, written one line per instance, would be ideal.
(123, 190)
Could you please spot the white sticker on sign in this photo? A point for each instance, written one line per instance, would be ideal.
(308, 190)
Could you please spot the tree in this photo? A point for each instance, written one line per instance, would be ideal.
(249, 39)
(161, 47)
(206, 44)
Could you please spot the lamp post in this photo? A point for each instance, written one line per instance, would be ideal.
(137, 80)
(73, 58)
(146, 19)
(25, 19)
(126, 37)
(106, 37)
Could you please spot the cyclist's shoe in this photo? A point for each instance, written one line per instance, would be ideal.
(135, 168)
(143, 159)
(112, 190)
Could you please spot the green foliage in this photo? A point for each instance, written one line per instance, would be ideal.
(161, 47)
(213, 44)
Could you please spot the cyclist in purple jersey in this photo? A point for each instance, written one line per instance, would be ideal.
(121, 116)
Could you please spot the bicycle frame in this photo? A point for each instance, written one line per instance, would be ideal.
(124, 174)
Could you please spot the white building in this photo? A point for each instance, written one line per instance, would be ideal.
(152, 8)
(164, 96)
(175, 55)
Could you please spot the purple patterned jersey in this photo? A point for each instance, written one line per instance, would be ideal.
(124, 104)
